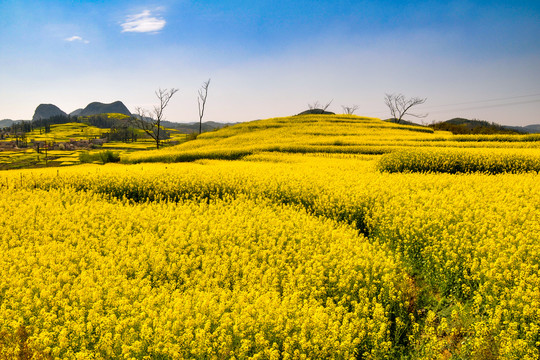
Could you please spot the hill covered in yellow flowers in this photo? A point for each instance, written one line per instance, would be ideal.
(295, 134)
(338, 134)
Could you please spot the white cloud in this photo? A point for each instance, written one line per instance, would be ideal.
(143, 23)
(76, 38)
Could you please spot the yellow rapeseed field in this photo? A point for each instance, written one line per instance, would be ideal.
(278, 254)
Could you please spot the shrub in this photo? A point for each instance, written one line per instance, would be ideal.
(191, 136)
(109, 156)
(102, 156)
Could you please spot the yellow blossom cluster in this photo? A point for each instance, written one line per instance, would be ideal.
(490, 161)
(474, 240)
(276, 255)
(339, 134)
(88, 277)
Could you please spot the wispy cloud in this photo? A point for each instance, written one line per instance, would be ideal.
(143, 23)
(77, 38)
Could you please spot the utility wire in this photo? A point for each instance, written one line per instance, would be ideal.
(486, 106)
(426, 108)
(483, 101)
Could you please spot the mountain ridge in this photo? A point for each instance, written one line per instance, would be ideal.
(95, 108)
(45, 111)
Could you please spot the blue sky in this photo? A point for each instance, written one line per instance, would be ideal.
(474, 59)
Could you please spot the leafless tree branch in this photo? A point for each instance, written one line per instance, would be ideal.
(399, 106)
(152, 124)
(349, 110)
(313, 106)
(317, 105)
(327, 105)
(201, 100)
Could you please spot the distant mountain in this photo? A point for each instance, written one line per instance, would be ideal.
(45, 111)
(75, 112)
(535, 128)
(96, 108)
(529, 129)
(193, 127)
(6, 123)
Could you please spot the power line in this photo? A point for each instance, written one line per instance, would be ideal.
(487, 106)
(483, 101)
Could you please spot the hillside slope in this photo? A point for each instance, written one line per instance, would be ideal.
(323, 134)
(302, 134)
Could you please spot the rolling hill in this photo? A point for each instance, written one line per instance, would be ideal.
(301, 133)
(345, 134)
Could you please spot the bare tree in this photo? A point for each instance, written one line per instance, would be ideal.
(399, 106)
(201, 100)
(317, 106)
(150, 123)
(349, 110)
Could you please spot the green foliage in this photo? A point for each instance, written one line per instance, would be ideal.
(104, 157)
(464, 126)
(104, 121)
(109, 156)
(191, 136)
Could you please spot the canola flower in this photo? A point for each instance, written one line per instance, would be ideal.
(453, 161)
(87, 277)
(446, 265)
(296, 134)
(339, 134)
